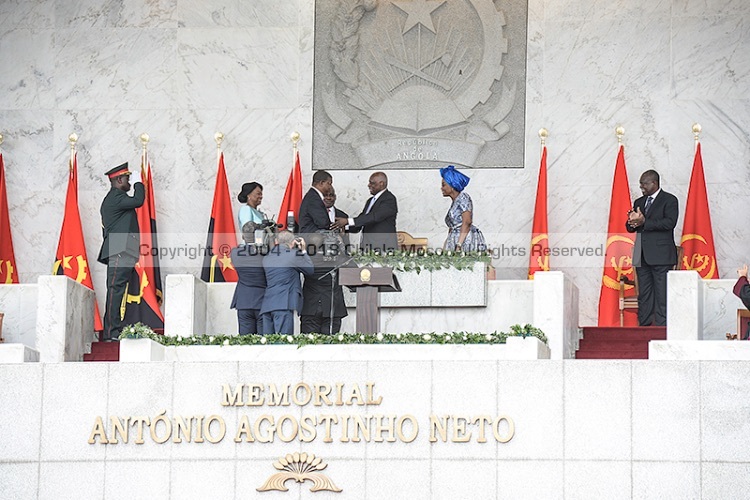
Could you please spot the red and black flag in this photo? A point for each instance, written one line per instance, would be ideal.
(8, 270)
(222, 236)
(143, 296)
(71, 259)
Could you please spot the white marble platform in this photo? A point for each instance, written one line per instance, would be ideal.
(439, 288)
(699, 309)
(549, 302)
(699, 350)
(19, 304)
(17, 353)
(516, 348)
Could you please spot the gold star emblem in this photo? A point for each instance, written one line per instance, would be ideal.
(226, 262)
(419, 12)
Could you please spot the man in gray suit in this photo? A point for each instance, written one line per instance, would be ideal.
(283, 266)
(121, 243)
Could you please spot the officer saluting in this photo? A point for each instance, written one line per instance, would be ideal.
(122, 239)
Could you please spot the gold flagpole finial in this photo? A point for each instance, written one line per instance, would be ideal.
(543, 134)
(144, 140)
(295, 139)
(219, 138)
(697, 131)
(73, 139)
(1, 139)
(619, 132)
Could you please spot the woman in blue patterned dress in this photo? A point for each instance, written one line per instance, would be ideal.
(462, 234)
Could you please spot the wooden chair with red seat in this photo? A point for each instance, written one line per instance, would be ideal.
(631, 302)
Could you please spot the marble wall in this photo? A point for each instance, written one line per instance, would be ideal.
(608, 429)
(181, 70)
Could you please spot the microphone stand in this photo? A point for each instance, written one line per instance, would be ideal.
(332, 273)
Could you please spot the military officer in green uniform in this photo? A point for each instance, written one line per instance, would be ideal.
(121, 243)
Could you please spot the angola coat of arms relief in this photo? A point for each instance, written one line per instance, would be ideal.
(419, 83)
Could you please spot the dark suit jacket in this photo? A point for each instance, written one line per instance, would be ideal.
(317, 291)
(282, 267)
(345, 234)
(654, 242)
(742, 290)
(312, 213)
(120, 223)
(251, 278)
(379, 226)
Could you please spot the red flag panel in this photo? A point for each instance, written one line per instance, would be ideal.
(697, 234)
(71, 259)
(8, 269)
(292, 195)
(539, 252)
(619, 250)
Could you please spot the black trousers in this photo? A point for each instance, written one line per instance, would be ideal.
(652, 294)
(119, 269)
(319, 324)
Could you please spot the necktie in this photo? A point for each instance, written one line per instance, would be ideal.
(369, 205)
(649, 201)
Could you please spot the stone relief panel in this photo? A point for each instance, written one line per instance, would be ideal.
(419, 83)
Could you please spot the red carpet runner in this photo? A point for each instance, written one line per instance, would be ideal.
(103, 351)
(618, 342)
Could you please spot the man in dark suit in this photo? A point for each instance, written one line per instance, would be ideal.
(378, 219)
(247, 260)
(323, 305)
(120, 248)
(742, 290)
(283, 296)
(333, 212)
(653, 218)
(312, 211)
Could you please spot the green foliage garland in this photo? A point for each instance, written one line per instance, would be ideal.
(141, 331)
(419, 260)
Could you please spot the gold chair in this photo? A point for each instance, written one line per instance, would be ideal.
(409, 243)
(631, 302)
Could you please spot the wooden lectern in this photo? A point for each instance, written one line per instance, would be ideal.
(368, 281)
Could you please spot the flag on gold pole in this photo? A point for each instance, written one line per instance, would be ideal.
(619, 249)
(70, 258)
(539, 253)
(222, 235)
(143, 295)
(293, 193)
(697, 234)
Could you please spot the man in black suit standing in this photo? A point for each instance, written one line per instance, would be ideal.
(247, 259)
(378, 219)
(121, 243)
(653, 218)
(323, 305)
(313, 215)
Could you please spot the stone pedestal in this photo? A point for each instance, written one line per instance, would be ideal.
(184, 305)
(65, 319)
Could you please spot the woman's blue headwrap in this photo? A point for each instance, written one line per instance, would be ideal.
(454, 178)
